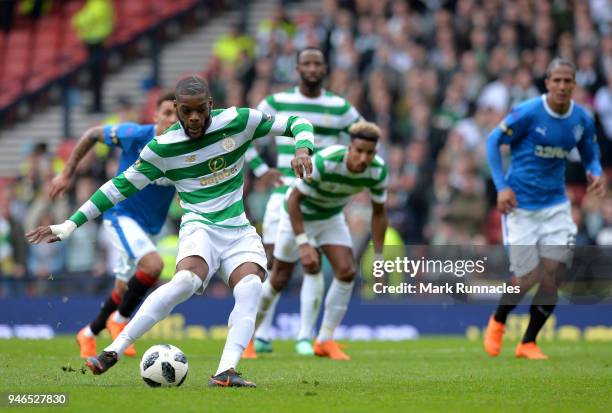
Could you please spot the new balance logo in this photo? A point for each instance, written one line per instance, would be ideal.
(190, 159)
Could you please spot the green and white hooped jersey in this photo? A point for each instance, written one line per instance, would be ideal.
(330, 115)
(206, 172)
(332, 184)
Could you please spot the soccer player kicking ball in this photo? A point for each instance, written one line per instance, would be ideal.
(131, 224)
(331, 116)
(202, 155)
(537, 222)
(313, 218)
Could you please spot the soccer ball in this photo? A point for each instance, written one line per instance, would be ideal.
(163, 365)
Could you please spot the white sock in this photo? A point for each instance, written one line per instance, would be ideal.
(156, 307)
(267, 307)
(87, 332)
(336, 303)
(241, 321)
(119, 318)
(311, 297)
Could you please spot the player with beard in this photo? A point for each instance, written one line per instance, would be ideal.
(202, 155)
(331, 116)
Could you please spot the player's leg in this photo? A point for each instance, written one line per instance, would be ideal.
(542, 306)
(246, 284)
(556, 250)
(189, 278)
(313, 285)
(123, 270)
(148, 266)
(520, 231)
(86, 337)
(278, 280)
(262, 342)
(285, 255)
(242, 266)
(194, 255)
(271, 288)
(336, 300)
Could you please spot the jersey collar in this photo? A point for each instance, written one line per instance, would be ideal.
(297, 90)
(555, 114)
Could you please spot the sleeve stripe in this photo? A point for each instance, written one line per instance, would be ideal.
(78, 218)
(147, 155)
(112, 192)
(149, 170)
(124, 186)
(137, 178)
(99, 201)
(260, 170)
(263, 129)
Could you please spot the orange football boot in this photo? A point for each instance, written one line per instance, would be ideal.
(493, 337)
(115, 328)
(330, 349)
(249, 352)
(87, 345)
(529, 351)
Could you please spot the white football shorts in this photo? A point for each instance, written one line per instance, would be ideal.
(132, 243)
(331, 231)
(272, 216)
(223, 249)
(547, 233)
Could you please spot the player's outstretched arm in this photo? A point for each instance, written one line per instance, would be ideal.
(147, 169)
(61, 182)
(308, 255)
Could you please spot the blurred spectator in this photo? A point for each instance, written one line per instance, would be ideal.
(13, 250)
(94, 25)
(125, 111)
(603, 106)
(229, 47)
(83, 269)
(35, 8)
(37, 173)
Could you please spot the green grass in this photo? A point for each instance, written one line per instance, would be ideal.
(432, 374)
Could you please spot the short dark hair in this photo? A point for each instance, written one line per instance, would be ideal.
(192, 85)
(165, 95)
(560, 61)
(309, 49)
(364, 130)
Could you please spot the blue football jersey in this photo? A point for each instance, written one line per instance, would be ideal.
(540, 141)
(148, 207)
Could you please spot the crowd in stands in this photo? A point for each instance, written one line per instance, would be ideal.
(436, 76)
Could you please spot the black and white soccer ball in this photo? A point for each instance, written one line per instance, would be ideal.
(164, 365)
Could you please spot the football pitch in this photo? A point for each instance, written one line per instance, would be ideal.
(430, 374)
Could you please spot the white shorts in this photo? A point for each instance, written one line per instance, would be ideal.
(272, 216)
(331, 231)
(223, 249)
(548, 233)
(132, 243)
